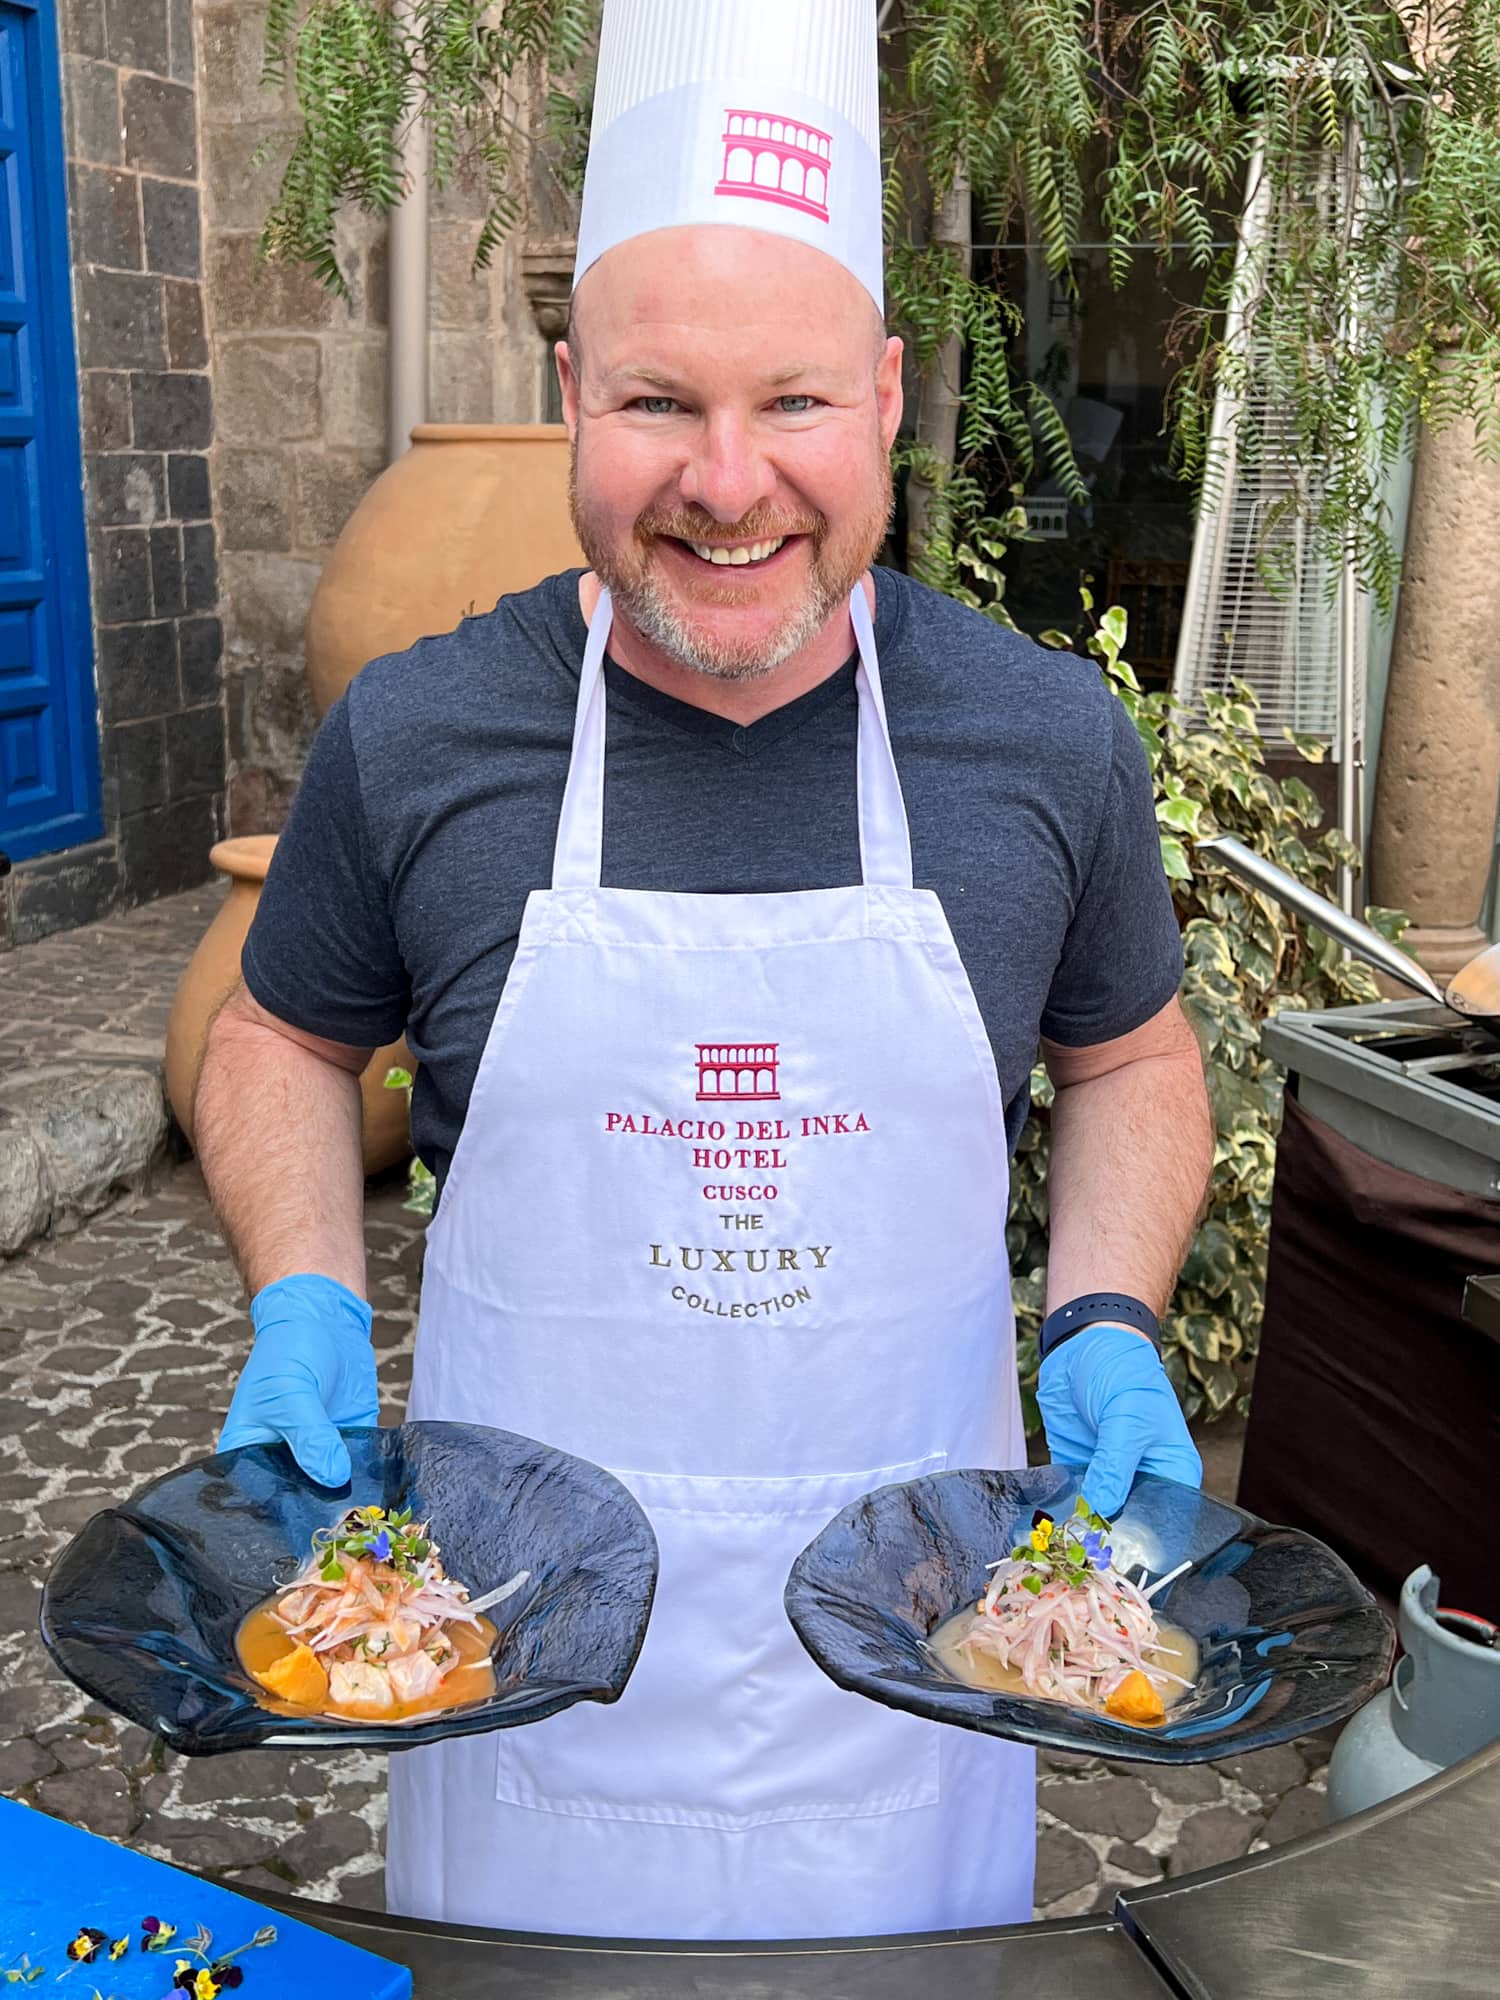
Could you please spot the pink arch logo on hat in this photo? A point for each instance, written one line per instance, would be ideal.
(769, 158)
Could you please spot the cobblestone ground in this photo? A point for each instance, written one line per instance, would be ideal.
(102, 993)
(118, 1346)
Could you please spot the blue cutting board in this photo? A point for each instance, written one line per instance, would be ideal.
(55, 1880)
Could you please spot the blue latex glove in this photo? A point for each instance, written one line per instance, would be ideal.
(311, 1369)
(1106, 1404)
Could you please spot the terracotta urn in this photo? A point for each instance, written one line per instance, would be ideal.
(470, 512)
(213, 969)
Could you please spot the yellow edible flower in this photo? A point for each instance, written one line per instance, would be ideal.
(1041, 1535)
(205, 1986)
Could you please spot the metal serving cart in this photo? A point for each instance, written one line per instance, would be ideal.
(1398, 1900)
(1375, 1416)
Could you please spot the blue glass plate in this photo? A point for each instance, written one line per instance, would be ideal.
(1289, 1638)
(142, 1607)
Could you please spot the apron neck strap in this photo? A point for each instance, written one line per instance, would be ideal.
(578, 858)
(884, 840)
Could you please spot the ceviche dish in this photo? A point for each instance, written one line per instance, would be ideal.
(372, 1629)
(1060, 1621)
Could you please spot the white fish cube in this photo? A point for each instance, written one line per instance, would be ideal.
(413, 1676)
(351, 1681)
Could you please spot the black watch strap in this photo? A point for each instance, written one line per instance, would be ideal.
(1093, 1309)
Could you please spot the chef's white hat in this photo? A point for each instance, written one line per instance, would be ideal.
(761, 113)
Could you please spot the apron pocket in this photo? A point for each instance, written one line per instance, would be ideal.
(726, 1721)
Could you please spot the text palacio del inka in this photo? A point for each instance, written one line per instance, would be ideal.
(757, 1151)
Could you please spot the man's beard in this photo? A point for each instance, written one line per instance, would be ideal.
(629, 575)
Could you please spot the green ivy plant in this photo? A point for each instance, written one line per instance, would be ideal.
(421, 1181)
(1246, 957)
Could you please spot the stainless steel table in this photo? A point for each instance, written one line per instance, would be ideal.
(1056, 1961)
(1400, 1901)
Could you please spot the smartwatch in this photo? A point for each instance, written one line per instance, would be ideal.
(1094, 1308)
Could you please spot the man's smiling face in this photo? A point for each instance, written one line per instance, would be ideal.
(732, 399)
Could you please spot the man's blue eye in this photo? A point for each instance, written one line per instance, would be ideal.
(657, 406)
(795, 406)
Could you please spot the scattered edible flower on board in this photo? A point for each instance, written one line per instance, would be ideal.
(205, 1980)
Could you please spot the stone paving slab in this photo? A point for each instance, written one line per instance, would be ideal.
(118, 1348)
(83, 1019)
(101, 993)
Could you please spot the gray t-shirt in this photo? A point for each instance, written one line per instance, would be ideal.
(430, 802)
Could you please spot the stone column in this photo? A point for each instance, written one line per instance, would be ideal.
(1433, 833)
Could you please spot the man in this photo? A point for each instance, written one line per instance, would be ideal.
(725, 954)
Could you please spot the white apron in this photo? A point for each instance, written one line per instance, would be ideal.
(755, 1278)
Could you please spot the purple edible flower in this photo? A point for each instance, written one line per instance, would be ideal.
(1096, 1551)
(380, 1548)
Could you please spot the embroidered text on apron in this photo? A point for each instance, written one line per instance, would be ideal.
(726, 1216)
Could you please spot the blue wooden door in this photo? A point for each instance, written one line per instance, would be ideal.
(49, 759)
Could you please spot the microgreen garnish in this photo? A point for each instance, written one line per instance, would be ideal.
(1066, 1554)
(373, 1533)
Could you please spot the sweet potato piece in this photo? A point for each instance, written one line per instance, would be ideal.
(1135, 1700)
(300, 1677)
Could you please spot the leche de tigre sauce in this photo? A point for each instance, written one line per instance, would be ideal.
(1178, 1653)
(261, 1641)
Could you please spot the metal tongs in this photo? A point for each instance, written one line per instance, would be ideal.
(1148, 1591)
(1473, 991)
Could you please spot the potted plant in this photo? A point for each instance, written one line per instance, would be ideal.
(214, 969)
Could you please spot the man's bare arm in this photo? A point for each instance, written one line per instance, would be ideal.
(1132, 1150)
(277, 1121)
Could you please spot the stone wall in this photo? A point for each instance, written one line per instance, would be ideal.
(131, 138)
(300, 385)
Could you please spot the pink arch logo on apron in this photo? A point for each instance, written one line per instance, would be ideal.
(771, 158)
(737, 1072)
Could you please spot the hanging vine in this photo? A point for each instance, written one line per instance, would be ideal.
(1372, 314)
(364, 70)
